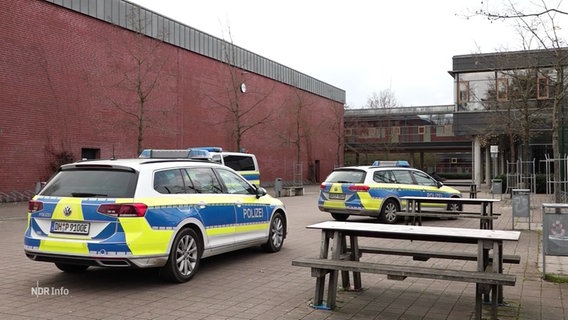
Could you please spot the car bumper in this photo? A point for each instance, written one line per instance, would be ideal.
(101, 261)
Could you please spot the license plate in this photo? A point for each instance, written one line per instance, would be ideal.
(70, 227)
(337, 196)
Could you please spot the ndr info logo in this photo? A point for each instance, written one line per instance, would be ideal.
(48, 291)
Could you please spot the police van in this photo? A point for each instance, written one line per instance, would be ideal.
(244, 163)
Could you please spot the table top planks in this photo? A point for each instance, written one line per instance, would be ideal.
(409, 232)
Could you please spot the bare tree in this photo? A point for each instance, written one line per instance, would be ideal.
(336, 126)
(387, 102)
(540, 22)
(142, 70)
(243, 104)
(385, 99)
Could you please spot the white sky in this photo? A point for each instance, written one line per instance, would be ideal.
(360, 46)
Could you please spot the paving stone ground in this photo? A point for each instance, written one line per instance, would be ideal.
(250, 284)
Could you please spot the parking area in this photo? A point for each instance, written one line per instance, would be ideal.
(251, 284)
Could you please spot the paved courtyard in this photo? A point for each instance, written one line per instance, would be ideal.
(250, 284)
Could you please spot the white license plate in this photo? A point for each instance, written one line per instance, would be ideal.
(337, 196)
(70, 227)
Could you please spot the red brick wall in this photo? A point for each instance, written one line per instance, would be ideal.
(62, 75)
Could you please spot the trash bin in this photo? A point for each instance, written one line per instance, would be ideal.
(497, 186)
(278, 187)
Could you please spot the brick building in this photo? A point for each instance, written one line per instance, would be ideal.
(74, 75)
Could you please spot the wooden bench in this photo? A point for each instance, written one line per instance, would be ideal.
(485, 281)
(425, 255)
(320, 267)
(290, 191)
(416, 217)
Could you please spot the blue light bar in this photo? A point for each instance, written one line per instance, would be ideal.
(210, 149)
(393, 163)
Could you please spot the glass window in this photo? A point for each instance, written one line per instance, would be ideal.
(383, 176)
(402, 176)
(204, 180)
(239, 163)
(169, 181)
(346, 176)
(542, 87)
(463, 91)
(423, 179)
(234, 183)
(84, 183)
(502, 88)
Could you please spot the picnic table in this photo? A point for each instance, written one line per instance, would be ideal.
(485, 213)
(471, 187)
(335, 233)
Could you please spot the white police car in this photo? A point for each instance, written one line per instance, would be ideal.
(376, 190)
(149, 213)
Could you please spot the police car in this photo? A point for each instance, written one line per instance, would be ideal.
(244, 163)
(142, 213)
(376, 190)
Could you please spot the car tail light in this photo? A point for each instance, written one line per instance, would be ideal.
(359, 188)
(34, 205)
(123, 209)
(322, 186)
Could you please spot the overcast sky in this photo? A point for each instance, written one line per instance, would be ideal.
(359, 46)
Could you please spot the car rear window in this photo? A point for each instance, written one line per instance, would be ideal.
(88, 183)
(239, 163)
(346, 176)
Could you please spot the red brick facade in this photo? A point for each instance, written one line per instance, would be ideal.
(64, 88)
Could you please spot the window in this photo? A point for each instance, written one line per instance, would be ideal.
(463, 91)
(424, 180)
(542, 88)
(169, 182)
(239, 162)
(92, 182)
(421, 129)
(234, 183)
(403, 176)
(204, 180)
(395, 131)
(502, 89)
(383, 177)
(90, 153)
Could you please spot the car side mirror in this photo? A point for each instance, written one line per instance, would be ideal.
(440, 184)
(260, 191)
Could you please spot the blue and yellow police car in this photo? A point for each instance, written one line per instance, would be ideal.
(142, 213)
(376, 190)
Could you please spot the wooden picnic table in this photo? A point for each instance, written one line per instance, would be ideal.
(472, 187)
(334, 233)
(486, 214)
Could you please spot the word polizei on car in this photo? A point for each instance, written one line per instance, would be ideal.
(376, 190)
(144, 213)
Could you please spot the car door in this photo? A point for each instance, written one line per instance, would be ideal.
(216, 211)
(405, 184)
(252, 213)
(429, 186)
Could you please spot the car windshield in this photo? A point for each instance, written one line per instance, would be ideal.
(346, 176)
(88, 183)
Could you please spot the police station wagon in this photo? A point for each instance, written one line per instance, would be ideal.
(142, 213)
(376, 190)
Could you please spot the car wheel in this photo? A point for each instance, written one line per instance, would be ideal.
(454, 207)
(184, 257)
(388, 212)
(340, 216)
(71, 268)
(276, 234)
